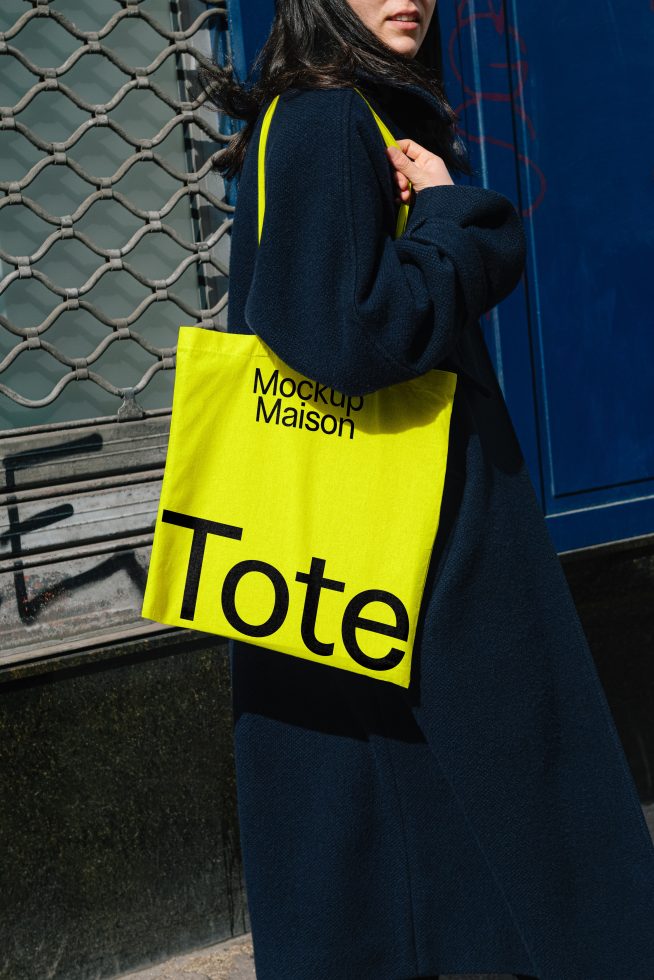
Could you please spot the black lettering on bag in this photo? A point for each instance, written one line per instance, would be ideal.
(342, 422)
(287, 387)
(353, 620)
(289, 417)
(315, 581)
(258, 381)
(201, 528)
(261, 408)
(320, 389)
(228, 597)
(312, 421)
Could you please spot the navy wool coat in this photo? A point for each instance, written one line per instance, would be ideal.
(484, 819)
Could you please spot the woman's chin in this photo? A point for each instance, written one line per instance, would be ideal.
(402, 45)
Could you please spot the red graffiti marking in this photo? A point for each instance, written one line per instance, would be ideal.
(512, 76)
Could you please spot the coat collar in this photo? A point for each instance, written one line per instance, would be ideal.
(396, 88)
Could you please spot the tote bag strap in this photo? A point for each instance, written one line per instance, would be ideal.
(403, 211)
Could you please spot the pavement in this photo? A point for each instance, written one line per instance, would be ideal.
(233, 959)
(228, 960)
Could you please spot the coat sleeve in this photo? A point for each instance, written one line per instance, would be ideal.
(333, 293)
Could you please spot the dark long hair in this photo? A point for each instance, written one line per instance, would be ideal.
(323, 44)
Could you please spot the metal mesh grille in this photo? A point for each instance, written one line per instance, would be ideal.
(112, 225)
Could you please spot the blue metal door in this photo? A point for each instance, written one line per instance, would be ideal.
(249, 24)
(554, 102)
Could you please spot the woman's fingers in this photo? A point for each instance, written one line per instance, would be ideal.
(401, 161)
(417, 165)
(411, 148)
(418, 155)
(403, 187)
(402, 180)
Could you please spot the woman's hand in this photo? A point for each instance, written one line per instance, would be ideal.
(414, 163)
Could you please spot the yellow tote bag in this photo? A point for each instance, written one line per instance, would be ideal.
(292, 516)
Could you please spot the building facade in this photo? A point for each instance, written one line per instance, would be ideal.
(118, 800)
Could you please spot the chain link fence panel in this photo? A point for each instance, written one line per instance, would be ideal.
(113, 227)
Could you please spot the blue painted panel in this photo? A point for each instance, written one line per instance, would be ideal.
(594, 235)
(480, 87)
(555, 104)
(249, 22)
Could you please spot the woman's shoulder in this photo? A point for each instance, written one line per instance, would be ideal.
(318, 103)
(310, 125)
(321, 107)
(317, 112)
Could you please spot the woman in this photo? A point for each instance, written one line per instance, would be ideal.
(483, 820)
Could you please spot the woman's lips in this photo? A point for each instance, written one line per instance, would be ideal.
(410, 25)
